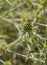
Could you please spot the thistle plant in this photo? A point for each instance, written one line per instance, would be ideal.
(26, 34)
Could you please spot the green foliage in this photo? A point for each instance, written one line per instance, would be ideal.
(9, 15)
(3, 45)
(23, 40)
(8, 63)
(26, 40)
(44, 2)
